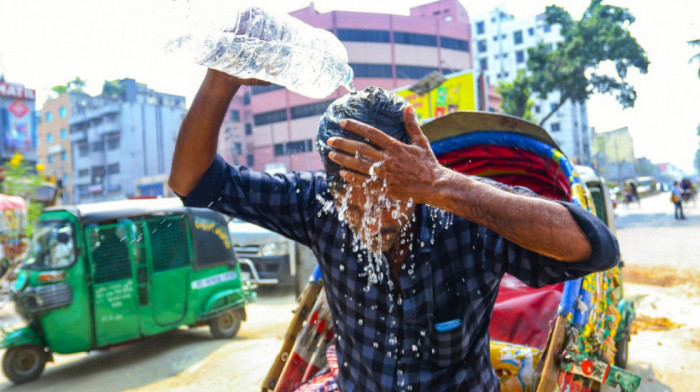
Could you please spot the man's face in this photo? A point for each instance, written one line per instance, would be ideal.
(374, 218)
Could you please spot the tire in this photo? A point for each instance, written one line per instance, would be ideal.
(226, 325)
(24, 363)
(621, 352)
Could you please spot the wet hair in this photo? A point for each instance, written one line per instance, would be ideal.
(373, 106)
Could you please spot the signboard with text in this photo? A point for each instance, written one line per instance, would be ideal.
(17, 121)
(458, 92)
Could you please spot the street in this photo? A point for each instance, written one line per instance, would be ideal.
(660, 274)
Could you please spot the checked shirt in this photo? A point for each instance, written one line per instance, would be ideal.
(386, 337)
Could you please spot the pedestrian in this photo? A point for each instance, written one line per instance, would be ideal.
(677, 201)
(411, 252)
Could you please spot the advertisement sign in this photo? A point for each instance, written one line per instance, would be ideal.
(458, 92)
(18, 123)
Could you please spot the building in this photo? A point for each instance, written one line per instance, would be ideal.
(271, 128)
(500, 44)
(17, 121)
(121, 136)
(613, 155)
(53, 145)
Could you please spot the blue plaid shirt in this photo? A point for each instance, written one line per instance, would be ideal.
(386, 337)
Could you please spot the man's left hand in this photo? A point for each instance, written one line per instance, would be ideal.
(403, 171)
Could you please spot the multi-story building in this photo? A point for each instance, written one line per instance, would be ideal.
(17, 121)
(272, 128)
(122, 136)
(613, 155)
(500, 44)
(53, 146)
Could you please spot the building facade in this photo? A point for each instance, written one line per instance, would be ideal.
(17, 121)
(270, 128)
(500, 44)
(120, 137)
(613, 155)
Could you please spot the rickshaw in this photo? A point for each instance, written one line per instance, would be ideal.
(556, 338)
(98, 275)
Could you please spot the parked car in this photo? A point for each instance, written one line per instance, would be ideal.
(102, 274)
(268, 258)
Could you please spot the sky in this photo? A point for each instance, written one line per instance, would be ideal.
(44, 43)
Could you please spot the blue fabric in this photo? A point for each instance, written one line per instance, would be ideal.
(385, 336)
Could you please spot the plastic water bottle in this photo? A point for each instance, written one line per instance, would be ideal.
(257, 43)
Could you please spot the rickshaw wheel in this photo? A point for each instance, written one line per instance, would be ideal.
(24, 363)
(621, 351)
(226, 325)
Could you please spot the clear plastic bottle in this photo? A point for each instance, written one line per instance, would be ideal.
(278, 48)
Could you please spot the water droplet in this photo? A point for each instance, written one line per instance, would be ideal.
(360, 322)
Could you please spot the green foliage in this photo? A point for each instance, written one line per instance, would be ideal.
(572, 66)
(76, 85)
(112, 89)
(515, 97)
(696, 57)
(21, 179)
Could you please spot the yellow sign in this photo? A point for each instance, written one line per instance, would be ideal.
(454, 94)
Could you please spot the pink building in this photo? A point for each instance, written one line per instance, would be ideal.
(270, 125)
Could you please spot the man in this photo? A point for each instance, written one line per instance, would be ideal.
(411, 253)
(677, 200)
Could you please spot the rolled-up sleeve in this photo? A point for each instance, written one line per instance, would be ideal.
(537, 270)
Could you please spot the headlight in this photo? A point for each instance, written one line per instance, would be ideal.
(274, 249)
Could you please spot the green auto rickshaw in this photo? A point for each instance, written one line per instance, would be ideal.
(98, 275)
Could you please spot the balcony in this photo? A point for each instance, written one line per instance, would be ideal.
(78, 136)
(108, 127)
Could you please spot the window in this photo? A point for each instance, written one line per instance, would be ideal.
(552, 106)
(453, 43)
(83, 150)
(372, 70)
(556, 127)
(97, 146)
(518, 37)
(50, 159)
(66, 179)
(295, 147)
(481, 46)
(62, 112)
(313, 109)
(415, 39)
(113, 142)
(234, 115)
(250, 160)
(264, 89)
(480, 27)
(484, 64)
(109, 253)
(249, 129)
(413, 72)
(357, 35)
(495, 38)
(531, 31)
(246, 99)
(520, 56)
(237, 148)
(49, 117)
(49, 138)
(113, 168)
(270, 117)
(537, 109)
(53, 246)
(64, 133)
(547, 28)
(83, 172)
(64, 156)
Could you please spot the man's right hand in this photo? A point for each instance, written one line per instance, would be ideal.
(196, 144)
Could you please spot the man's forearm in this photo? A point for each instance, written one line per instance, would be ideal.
(536, 224)
(196, 144)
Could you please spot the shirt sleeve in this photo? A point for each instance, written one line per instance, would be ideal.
(537, 270)
(285, 204)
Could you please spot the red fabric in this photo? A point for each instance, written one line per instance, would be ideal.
(522, 314)
(512, 167)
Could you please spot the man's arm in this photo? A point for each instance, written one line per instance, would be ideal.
(412, 171)
(195, 148)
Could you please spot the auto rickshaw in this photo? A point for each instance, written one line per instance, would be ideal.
(98, 275)
(555, 338)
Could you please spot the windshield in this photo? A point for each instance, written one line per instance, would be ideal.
(53, 246)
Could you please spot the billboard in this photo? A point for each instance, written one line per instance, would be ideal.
(17, 122)
(459, 92)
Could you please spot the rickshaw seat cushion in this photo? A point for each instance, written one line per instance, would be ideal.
(522, 314)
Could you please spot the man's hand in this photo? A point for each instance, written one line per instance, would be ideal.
(401, 170)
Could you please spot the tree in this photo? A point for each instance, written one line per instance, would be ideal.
(76, 85)
(696, 57)
(600, 36)
(21, 179)
(515, 97)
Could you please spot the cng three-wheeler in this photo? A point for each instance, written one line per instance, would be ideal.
(98, 275)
